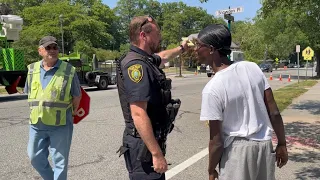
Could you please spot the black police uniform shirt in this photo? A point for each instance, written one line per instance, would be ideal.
(141, 85)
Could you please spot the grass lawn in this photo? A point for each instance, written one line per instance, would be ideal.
(285, 95)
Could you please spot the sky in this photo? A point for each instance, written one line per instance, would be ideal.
(250, 6)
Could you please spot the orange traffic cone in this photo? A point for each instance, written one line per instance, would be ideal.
(280, 77)
(195, 72)
(289, 78)
(271, 76)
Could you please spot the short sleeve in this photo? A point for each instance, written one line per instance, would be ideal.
(138, 81)
(75, 90)
(265, 81)
(211, 107)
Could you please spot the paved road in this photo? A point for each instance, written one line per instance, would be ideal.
(98, 137)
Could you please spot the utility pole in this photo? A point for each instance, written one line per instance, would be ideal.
(298, 51)
(229, 18)
(229, 22)
(180, 59)
(61, 29)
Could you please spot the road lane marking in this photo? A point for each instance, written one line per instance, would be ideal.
(180, 167)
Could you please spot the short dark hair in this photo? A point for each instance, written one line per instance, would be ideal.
(218, 36)
(135, 27)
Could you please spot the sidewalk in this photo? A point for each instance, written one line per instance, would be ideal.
(302, 126)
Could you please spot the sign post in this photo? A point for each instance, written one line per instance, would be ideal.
(227, 16)
(298, 51)
(312, 63)
(307, 54)
(229, 11)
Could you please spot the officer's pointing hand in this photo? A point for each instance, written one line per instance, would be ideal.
(185, 44)
(159, 164)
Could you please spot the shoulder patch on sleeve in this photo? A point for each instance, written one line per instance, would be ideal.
(135, 72)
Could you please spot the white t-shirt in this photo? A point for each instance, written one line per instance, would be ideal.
(235, 96)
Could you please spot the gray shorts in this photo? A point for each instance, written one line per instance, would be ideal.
(244, 159)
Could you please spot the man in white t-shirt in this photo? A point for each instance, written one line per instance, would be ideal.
(242, 113)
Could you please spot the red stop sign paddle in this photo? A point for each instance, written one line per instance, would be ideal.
(83, 109)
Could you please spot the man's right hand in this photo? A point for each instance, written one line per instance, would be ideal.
(281, 156)
(214, 176)
(159, 164)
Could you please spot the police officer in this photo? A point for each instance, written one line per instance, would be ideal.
(144, 92)
(54, 94)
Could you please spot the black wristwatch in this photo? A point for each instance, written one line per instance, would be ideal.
(182, 48)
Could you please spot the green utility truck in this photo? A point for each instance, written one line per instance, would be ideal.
(13, 70)
(94, 73)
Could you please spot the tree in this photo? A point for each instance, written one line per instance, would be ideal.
(127, 9)
(5, 9)
(250, 38)
(187, 20)
(19, 5)
(103, 55)
(302, 17)
(103, 13)
(80, 30)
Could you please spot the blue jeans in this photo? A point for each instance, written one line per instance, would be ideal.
(58, 141)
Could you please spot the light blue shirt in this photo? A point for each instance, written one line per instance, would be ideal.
(45, 77)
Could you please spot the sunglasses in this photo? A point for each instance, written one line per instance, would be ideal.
(51, 47)
(200, 45)
(148, 19)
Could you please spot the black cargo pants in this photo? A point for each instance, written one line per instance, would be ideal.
(137, 170)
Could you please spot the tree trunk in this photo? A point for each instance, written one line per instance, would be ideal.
(318, 62)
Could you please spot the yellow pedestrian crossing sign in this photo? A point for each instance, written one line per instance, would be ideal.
(307, 53)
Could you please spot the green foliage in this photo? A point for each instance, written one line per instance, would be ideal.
(91, 27)
(300, 17)
(104, 55)
(124, 48)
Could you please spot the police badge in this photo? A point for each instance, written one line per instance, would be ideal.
(135, 72)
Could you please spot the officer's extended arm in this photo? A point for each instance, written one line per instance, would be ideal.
(171, 53)
(144, 127)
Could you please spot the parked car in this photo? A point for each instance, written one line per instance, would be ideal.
(266, 67)
(290, 65)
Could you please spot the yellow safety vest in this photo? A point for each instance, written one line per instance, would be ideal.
(50, 105)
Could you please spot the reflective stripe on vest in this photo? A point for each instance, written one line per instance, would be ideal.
(50, 104)
(30, 78)
(65, 81)
(34, 103)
